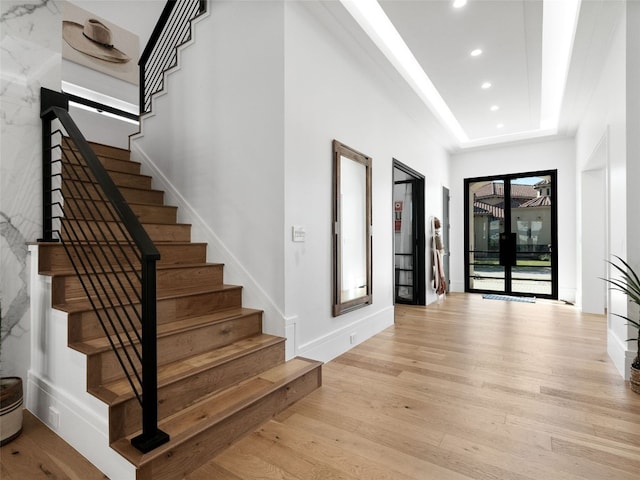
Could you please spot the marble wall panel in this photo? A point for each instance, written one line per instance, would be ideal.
(30, 58)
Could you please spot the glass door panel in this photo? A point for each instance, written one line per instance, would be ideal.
(486, 224)
(531, 221)
(409, 235)
(404, 240)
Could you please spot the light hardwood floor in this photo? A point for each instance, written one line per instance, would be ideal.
(463, 389)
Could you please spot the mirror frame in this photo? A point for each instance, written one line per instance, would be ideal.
(340, 153)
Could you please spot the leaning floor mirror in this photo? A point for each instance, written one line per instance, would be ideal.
(352, 239)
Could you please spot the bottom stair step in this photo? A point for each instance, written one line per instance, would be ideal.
(207, 427)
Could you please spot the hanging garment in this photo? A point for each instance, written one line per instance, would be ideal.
(439, 280)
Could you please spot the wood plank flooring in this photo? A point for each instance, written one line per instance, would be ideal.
(463, 389)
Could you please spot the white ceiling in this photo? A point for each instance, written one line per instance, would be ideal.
(510, 34)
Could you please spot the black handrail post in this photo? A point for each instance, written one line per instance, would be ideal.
(142, 108)
(47, 220)
(55, 107)
(48, 99)
(151, 436)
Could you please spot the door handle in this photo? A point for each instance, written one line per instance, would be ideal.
(508, 249)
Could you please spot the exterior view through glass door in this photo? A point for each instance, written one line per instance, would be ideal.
(511, 234)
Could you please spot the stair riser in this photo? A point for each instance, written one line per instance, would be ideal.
(73, 171)
(155, 214)
(107, 151)
(83, 209)
(104, 367)
(69, 287)
(142, 196)
(90, 190)
(111, 288)
(172, 398)
(53, 257)
(90, 210)
(199, 449)
(80, 230)
(85, 325)
(117, 165)
(189, 278)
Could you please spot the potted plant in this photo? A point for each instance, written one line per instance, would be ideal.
(629, 283)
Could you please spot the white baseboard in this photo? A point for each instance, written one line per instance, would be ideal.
(618, 352)
(567, 294)
(339, 341)
(78, 426)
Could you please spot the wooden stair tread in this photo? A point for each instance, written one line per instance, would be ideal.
(169, 293)
(213, 409)
(101, 344)
(71, 217)
(120, 390)
(58, 244)
(159, 266)
(120, 152)
(108, 170)
(80, 305)
(141, 204)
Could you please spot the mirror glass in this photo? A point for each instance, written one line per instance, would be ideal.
(352, 232)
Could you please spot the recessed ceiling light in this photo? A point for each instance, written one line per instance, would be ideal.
(476, 52)
(500, 125)
(486, 85)
(459, 3)
(495, 108)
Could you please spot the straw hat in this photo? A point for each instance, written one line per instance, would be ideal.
(94, 39)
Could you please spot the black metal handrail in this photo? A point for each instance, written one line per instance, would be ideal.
(161, 53)
(109, 250)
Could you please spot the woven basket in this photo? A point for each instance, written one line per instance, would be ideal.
(10, 408)
(635, 380)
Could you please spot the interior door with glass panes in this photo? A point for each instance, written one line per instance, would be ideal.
(409, 235)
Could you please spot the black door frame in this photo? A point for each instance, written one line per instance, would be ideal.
(419, 236)
(446, 230)
(553, 174)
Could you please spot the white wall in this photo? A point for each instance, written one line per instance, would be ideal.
(215, 144)
(242, 144)
(335, 88)
(614, 113)
(554, 154)
(633, 156)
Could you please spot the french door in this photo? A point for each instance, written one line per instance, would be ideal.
(409, 235)
(511, 234)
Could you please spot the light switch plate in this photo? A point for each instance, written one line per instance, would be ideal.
(298, 233)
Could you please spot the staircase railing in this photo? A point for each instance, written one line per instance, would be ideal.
(161, 53)
(110, 252)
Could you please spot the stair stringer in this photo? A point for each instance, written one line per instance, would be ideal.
(57, 384)
(274, 320)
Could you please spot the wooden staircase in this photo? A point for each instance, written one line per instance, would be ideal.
(219, 376)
